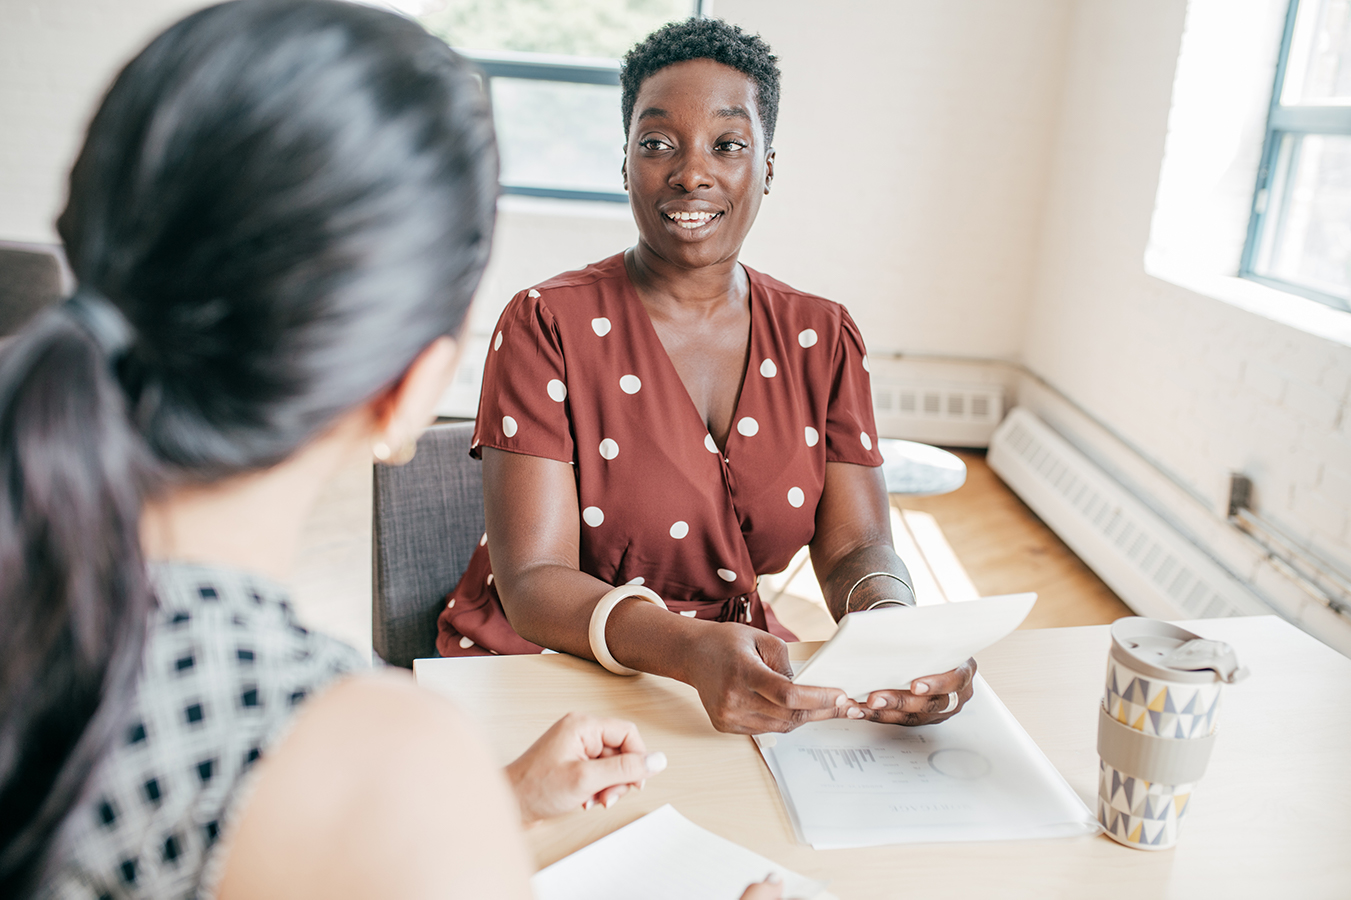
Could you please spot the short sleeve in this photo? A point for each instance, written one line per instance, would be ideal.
(523, 406)
(851, 431)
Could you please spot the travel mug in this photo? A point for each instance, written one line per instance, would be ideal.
(1156, 727)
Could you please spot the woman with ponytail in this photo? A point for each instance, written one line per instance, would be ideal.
(277, 220)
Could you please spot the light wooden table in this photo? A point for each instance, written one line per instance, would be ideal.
(1272, 817)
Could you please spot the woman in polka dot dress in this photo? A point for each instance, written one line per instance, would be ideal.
(675, 423)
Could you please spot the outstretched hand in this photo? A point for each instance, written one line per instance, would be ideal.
(579, 762)
(744, 680)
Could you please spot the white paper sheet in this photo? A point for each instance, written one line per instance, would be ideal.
(885, 649)
(664, 856)
(976, 777)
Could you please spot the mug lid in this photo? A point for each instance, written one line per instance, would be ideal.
(1160, 650)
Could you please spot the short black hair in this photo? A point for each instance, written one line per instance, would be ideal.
(704, 39)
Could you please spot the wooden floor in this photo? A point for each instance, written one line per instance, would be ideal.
(1001, 544)
(1006, 549)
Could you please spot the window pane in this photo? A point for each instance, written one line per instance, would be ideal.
(1308, 231)
(1319, 68)
(605, 28)
(556, 134)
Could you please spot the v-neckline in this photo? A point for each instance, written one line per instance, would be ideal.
(652, 336)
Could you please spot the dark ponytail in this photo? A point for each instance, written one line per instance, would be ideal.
(72, 472)
(278, 204)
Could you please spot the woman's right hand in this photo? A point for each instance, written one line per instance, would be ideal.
(743, 677)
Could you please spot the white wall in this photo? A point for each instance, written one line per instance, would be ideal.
(1200, 386)
(912, 158)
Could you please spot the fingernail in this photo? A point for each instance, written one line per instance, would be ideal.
(877, 703)
(855, 713)
(642, 784)
(775, 878)
(919, 687)
(656, 762)
(589, 803)
(841, 700)
(610, 801)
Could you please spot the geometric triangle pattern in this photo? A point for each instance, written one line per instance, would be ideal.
(1139, 813)
(1158, 707)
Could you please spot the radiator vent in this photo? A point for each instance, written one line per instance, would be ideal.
(951, 414)
(1153, 567)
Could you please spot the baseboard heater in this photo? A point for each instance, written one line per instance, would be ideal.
(1151, 566)
(945, 413)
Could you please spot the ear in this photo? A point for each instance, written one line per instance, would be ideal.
(769, 169)
(401, 411)
(624, 169)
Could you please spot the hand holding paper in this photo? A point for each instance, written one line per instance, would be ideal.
(879, 653)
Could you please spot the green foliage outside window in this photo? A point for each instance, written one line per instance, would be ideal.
(606, 28)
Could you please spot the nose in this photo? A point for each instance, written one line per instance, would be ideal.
(692, 171)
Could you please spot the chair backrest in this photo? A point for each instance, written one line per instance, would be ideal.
(30, 278)
(428, 520)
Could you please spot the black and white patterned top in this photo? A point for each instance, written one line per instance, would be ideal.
(226, 664)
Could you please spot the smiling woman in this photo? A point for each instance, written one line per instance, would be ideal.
(661, 427)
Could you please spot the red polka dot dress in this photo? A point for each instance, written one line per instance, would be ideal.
(576, 372)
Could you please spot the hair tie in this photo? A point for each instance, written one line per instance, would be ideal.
(101, 320)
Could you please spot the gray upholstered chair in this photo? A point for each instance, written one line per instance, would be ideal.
(32, 276)
(428, 520)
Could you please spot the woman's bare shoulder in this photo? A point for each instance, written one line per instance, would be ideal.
(380, 789)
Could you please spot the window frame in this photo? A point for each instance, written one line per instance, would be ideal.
(1282, 120)
(548, 67)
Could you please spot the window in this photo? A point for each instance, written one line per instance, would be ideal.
(553, 73)
(1299, 236)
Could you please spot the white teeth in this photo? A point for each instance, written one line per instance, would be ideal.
(692, 219)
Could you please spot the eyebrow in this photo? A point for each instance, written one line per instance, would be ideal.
(729, 112)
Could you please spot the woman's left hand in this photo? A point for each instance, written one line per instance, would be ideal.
(926, 702)
(581, 761)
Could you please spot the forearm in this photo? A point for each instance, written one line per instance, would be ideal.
(841, 575)
(551, 605)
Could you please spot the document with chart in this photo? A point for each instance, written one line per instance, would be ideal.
(976, 777)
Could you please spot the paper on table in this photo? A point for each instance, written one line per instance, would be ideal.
(976, 777)
(664, 856)
(886, 648)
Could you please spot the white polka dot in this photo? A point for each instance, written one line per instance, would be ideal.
(630, 384)
(609, 449)
(558, 391)
(680, 529)
(866, 367)
(451, 604)
(639, 580)
(867, 441)
(748, 426)
(601, 326)
(466, 643)
(690, 613)
(768, 369)
(727, 575)
(490, 577)
(812, 436)
(711, 444)
(796, 498)
(508, 426)
(593, 516)
(532, 294)
(483, 541)
(497, 341)
(807, 338)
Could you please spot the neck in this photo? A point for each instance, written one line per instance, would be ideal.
(251, 522)
(664, 286)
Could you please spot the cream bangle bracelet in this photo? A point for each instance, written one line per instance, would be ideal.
(601, 614)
